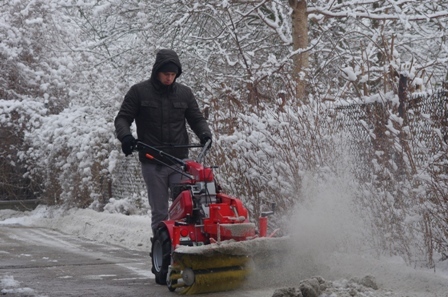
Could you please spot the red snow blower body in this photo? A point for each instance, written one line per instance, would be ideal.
(199, 248)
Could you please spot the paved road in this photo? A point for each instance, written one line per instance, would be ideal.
(41, 262)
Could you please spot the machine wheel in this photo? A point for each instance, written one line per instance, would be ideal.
(161, 255)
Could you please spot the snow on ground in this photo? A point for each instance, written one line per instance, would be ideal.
(10, 286)
(341, 274)
(132, 232)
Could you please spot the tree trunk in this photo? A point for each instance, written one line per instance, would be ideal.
(300, 41)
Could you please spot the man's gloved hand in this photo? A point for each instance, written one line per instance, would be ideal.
(204, 139)
(128, 144)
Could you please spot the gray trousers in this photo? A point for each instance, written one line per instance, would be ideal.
(158, 179)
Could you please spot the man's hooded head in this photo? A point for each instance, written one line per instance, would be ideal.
(167, 61)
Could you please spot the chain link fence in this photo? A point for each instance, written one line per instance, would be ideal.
(401, 148)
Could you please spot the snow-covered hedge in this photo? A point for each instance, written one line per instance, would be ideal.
(75, 153)
(70, 154)
(16, 118)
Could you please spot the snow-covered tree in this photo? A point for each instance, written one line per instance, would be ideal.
(365, 46)
(33, 56)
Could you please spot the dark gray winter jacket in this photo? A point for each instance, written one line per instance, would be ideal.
(160, 112)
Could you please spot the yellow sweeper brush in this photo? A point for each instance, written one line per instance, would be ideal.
(220, 266)
(196, 273)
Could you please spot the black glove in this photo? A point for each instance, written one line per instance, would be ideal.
(204, 139)
(128, 144)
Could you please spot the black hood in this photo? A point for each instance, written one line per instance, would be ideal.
(163, 56)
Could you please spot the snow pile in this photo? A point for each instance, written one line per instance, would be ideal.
(362, 287)
(319, 287)
(133, 232)
(10, 286)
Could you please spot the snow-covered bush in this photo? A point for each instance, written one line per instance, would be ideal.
(34, 67)
(16, 118)
(65, 159)
(72, 153)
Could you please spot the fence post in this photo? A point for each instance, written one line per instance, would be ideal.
(444, 94)
(402, 96)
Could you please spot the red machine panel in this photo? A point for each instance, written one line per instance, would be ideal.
(199, 172)
(182, 206)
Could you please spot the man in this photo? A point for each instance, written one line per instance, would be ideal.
(160, 107)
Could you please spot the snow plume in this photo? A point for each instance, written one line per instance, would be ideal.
(325, 223)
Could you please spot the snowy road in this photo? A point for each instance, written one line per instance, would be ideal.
(42, 262)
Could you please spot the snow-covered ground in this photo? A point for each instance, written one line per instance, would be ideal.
(345, 274)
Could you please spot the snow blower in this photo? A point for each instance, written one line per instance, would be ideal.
(208, 243)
